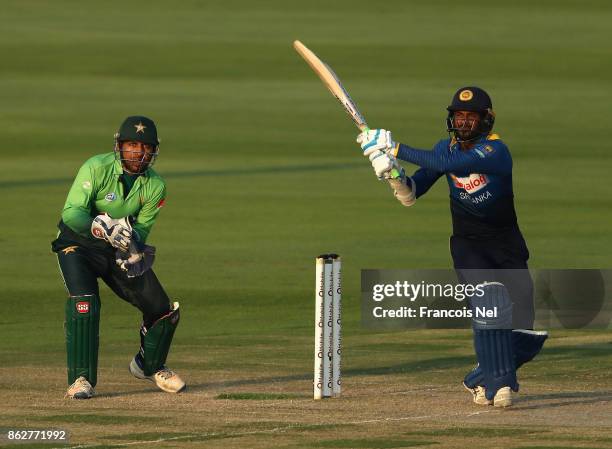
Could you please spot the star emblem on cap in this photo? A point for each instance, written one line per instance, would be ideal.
(140, 128)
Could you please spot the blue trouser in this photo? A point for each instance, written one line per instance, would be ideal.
(504, 260)
(526, 345)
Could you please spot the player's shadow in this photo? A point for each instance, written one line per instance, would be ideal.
(590, 350)
(118, 394)
(593, 350)
(569, 398)
(411, 367)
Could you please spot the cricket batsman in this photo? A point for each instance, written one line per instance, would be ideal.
(108, 215)
(486, 245)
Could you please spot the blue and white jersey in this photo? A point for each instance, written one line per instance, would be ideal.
(479, 179)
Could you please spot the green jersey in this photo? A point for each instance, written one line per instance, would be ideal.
(98, 189)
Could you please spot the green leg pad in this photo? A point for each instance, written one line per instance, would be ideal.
(155, 341)
(82, 336)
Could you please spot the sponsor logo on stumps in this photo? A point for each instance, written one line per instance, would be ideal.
(328, 322)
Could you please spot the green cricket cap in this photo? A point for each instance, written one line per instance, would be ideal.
(139, 129)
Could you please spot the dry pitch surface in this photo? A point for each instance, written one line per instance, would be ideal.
(397, 393)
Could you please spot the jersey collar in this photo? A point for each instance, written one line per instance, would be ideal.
(454, 145)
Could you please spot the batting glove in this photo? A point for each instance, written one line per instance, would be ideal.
(382, 163)
(375, 139)
(117, 232)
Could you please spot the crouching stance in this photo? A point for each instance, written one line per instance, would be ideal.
(487, 245)
(107, 217)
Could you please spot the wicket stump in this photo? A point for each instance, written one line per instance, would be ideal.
(328, 327)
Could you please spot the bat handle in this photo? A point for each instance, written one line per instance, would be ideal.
(395, 174)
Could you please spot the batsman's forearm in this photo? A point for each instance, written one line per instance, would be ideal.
(475, 160)
(423, 179)
(434, 161)
(403, 189)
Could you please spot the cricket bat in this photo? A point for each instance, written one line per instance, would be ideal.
(333, 83)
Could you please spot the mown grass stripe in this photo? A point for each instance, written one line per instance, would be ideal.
(259, 396)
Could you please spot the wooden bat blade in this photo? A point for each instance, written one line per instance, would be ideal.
(332, 82)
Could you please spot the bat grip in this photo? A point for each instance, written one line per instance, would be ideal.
(395, 174)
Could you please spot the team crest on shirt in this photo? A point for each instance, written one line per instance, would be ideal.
(110, 196)
(470, 184)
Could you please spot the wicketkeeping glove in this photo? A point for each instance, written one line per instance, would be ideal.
(117, 232)
(137, 260)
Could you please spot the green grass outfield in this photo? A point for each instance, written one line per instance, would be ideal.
(263, 174)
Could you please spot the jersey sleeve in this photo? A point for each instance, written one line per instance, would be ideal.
(77, 209)
(423, 179)
(148, 214)
(487, 157)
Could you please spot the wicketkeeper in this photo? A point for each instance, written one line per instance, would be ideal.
(108, 215)
(486, 245)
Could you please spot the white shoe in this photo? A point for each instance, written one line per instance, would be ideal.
(503, 397)
(165, 379)
(478, 394)
(80, 389)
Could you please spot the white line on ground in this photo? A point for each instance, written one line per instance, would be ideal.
(274, 430)
(411, 418)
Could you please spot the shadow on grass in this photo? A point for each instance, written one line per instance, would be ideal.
(117, 394)
(578, 398)
(582, 352)
(578, 352)
(418, 366)
(402, 368)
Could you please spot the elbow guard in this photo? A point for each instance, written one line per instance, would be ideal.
(402, 192)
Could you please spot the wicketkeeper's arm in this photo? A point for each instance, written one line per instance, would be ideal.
(148, 214)
(77, 209)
